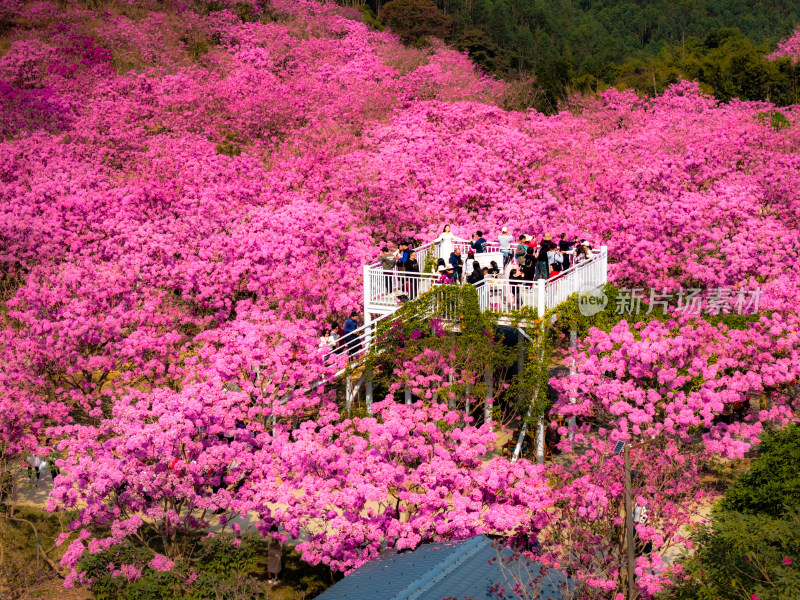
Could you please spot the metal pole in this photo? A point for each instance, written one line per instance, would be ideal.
(540, 441)
(573, 339)
(408, 394)
(450, 399)
(629, 525)
(368, 328)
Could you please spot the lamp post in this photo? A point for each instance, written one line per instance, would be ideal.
(629, 541)
(629, 525)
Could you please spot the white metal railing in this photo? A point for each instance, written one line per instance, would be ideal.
(588, 274)
(383, 288)
(509, 295)
(504, 295)
(495, 295)
(354, 345)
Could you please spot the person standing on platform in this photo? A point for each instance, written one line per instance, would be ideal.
(457, 264)
(388, 261)
(349, 337)
(505, 241)
(274, 552)
(478, 243)
(412, 272)
(564, 246)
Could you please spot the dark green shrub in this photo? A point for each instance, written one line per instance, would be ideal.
(773, 481)
(751, 548)
(744, 556)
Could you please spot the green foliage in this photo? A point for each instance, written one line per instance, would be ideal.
(430, 263)
(567, 46)
(195, 45)
(152, 585)
(751, 548)
(218, 569)
(773, 482)
(19, 568)
(245, 12)
(570, 316)
(775, 119)
(471, 341)
(530, 386)
(231, 146)
(743, 556)
(415, 20)
(370, 18)
(221, 566)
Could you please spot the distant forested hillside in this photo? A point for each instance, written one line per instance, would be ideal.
(583, 45)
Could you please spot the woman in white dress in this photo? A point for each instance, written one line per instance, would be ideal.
(446, 241)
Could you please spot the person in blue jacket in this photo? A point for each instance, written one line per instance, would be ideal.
(478, 243)
(457, 264)
(349, 337)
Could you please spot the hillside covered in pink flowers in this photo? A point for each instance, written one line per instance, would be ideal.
(188, 189)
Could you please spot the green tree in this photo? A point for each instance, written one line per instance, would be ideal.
(415, 20)
(751, 548)
(486, 54)
(773, 482)
(502, 24)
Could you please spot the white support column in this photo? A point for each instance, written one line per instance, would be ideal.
(367, 292)
(348, 392)
(408, 394)
(540, 298)
(368, 391)
(367, 330)
(466, 401)
(540, 441)
(352, 390)
(487, 405)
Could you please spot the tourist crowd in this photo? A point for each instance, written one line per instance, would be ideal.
(528, 259)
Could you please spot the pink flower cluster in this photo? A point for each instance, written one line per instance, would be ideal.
(788, 48)
(186, 200)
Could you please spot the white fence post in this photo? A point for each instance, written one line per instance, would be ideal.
(604, 264)
(367, 290)
(540, 298)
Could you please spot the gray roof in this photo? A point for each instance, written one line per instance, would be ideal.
(458, 569)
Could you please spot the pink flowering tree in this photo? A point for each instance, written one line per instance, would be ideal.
(409, 475)
(186, 201)
(788, 48)
(685, 390)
